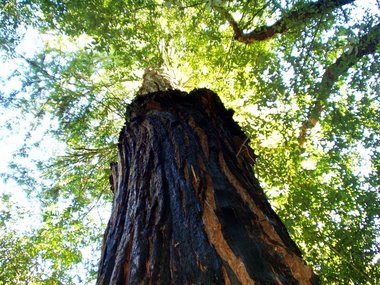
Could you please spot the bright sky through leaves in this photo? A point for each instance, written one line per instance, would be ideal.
(79, 75)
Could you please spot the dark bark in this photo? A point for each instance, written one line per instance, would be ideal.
(187, 208)
(295, 18)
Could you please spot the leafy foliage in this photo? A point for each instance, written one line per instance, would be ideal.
(77, 87)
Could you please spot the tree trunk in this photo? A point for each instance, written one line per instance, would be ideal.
(187, 208)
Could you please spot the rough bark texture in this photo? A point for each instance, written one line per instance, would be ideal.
(187, 208)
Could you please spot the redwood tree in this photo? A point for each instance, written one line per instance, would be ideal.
(301, 75)
(187, 207)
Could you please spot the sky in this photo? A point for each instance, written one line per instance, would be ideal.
(12, 140)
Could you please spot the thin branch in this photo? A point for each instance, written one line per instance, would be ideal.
(242, 145)
(37, 66)
(295, 17)
(366, 45)
(96, 150)
(310, 44)
(344, 259)
(82, 153)
(257, 13)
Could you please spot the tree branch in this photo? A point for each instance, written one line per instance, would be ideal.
(366, 45)
(294, 17)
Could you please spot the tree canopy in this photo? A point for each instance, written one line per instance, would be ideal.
(302, 77)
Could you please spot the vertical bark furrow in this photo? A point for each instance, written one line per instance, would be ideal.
(187, 208)
(215, 235)
(279, 248)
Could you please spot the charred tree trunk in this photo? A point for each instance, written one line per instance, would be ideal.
(187, 208)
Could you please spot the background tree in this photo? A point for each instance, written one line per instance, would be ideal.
(307, 96)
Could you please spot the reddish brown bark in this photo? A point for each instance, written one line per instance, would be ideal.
(187, 208)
